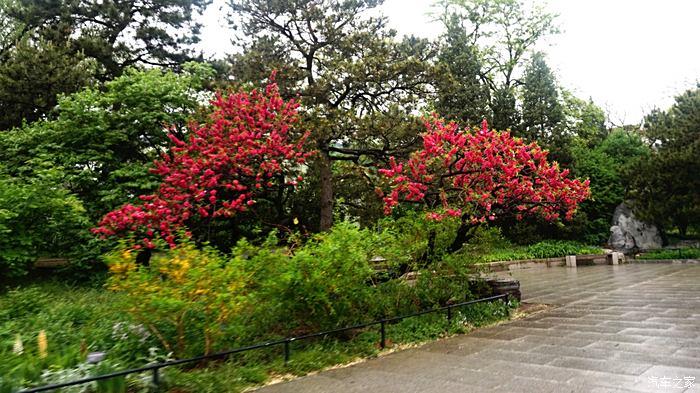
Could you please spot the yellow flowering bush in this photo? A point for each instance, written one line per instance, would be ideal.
(180, 289)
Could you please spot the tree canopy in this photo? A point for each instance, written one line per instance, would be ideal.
(665, 187)
(117, 34)
(481, 176)
(219, 169)
(350, 71)
(106, 139)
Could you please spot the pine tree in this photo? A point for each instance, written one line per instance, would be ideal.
(462, 94)
(33, 76)
(541, 108)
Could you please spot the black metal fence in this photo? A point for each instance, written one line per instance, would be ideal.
(155, 368)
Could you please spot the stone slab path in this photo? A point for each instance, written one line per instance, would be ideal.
(627, 328)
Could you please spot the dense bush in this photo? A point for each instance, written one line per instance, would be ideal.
(188, 300)
(559, 248)
(187, 296)
(38, 217)
(489, 245)
(78, 320)
(681, 253)
(183, 295)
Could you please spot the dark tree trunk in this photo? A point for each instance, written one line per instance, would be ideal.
(682, 228)
(662, 232)
(326, 192)
(464, 234)
(429, 254)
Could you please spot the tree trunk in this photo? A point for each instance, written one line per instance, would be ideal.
(682, 227)
(464, 234)
(429, 254)
(326, 192)
(662, 232)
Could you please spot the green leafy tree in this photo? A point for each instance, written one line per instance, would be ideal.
(665, 187)
(583, 120)
(38, 217)
(354, 78)
(106, 139)
(52, 47)
(605, 167)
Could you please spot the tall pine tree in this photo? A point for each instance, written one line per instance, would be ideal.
(542, 113)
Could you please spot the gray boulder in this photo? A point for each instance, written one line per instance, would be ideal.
(627, 234)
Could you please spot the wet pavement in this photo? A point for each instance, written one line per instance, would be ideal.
(626, 328)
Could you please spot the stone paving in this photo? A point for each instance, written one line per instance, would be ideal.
(627, 328)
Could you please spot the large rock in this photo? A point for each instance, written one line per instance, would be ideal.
(628, 234)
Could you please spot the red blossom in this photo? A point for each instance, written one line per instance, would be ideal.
(480, 176)
(219, 169)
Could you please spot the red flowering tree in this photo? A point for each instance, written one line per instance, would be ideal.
(481, 176)
(220, 169)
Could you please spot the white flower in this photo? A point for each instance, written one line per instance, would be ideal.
(18, 348)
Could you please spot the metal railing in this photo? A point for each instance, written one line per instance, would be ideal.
(155, 368)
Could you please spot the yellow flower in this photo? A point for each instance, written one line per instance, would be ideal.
(42, 344)
(126, 255)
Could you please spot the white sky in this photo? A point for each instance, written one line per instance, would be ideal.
(628, 55)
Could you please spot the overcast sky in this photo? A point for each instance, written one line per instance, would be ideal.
(628, 55)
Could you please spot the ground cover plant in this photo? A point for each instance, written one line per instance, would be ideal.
(489, 245)
(75, 320)
(544, 249)
(679, 253)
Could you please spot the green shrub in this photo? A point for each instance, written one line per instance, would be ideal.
(183, 295)
(559, 248)
(681, 253)
(488, 245)
(37, 217)
(412, 234)
(326, 283)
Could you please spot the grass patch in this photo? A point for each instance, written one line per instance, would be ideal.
(544, 249)
(680, 253)
(259, 367)
(79, 319)
(75, 320)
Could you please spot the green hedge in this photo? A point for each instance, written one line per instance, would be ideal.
(680, 253)
(543, 249)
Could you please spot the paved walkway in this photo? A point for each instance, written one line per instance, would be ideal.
(628, 328)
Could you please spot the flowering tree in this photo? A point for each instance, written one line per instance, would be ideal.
(481, 176)
(220, 169)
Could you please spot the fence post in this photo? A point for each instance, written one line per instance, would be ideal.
(449, 313)
(155, 380)
(382, 343)
(286, 352)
